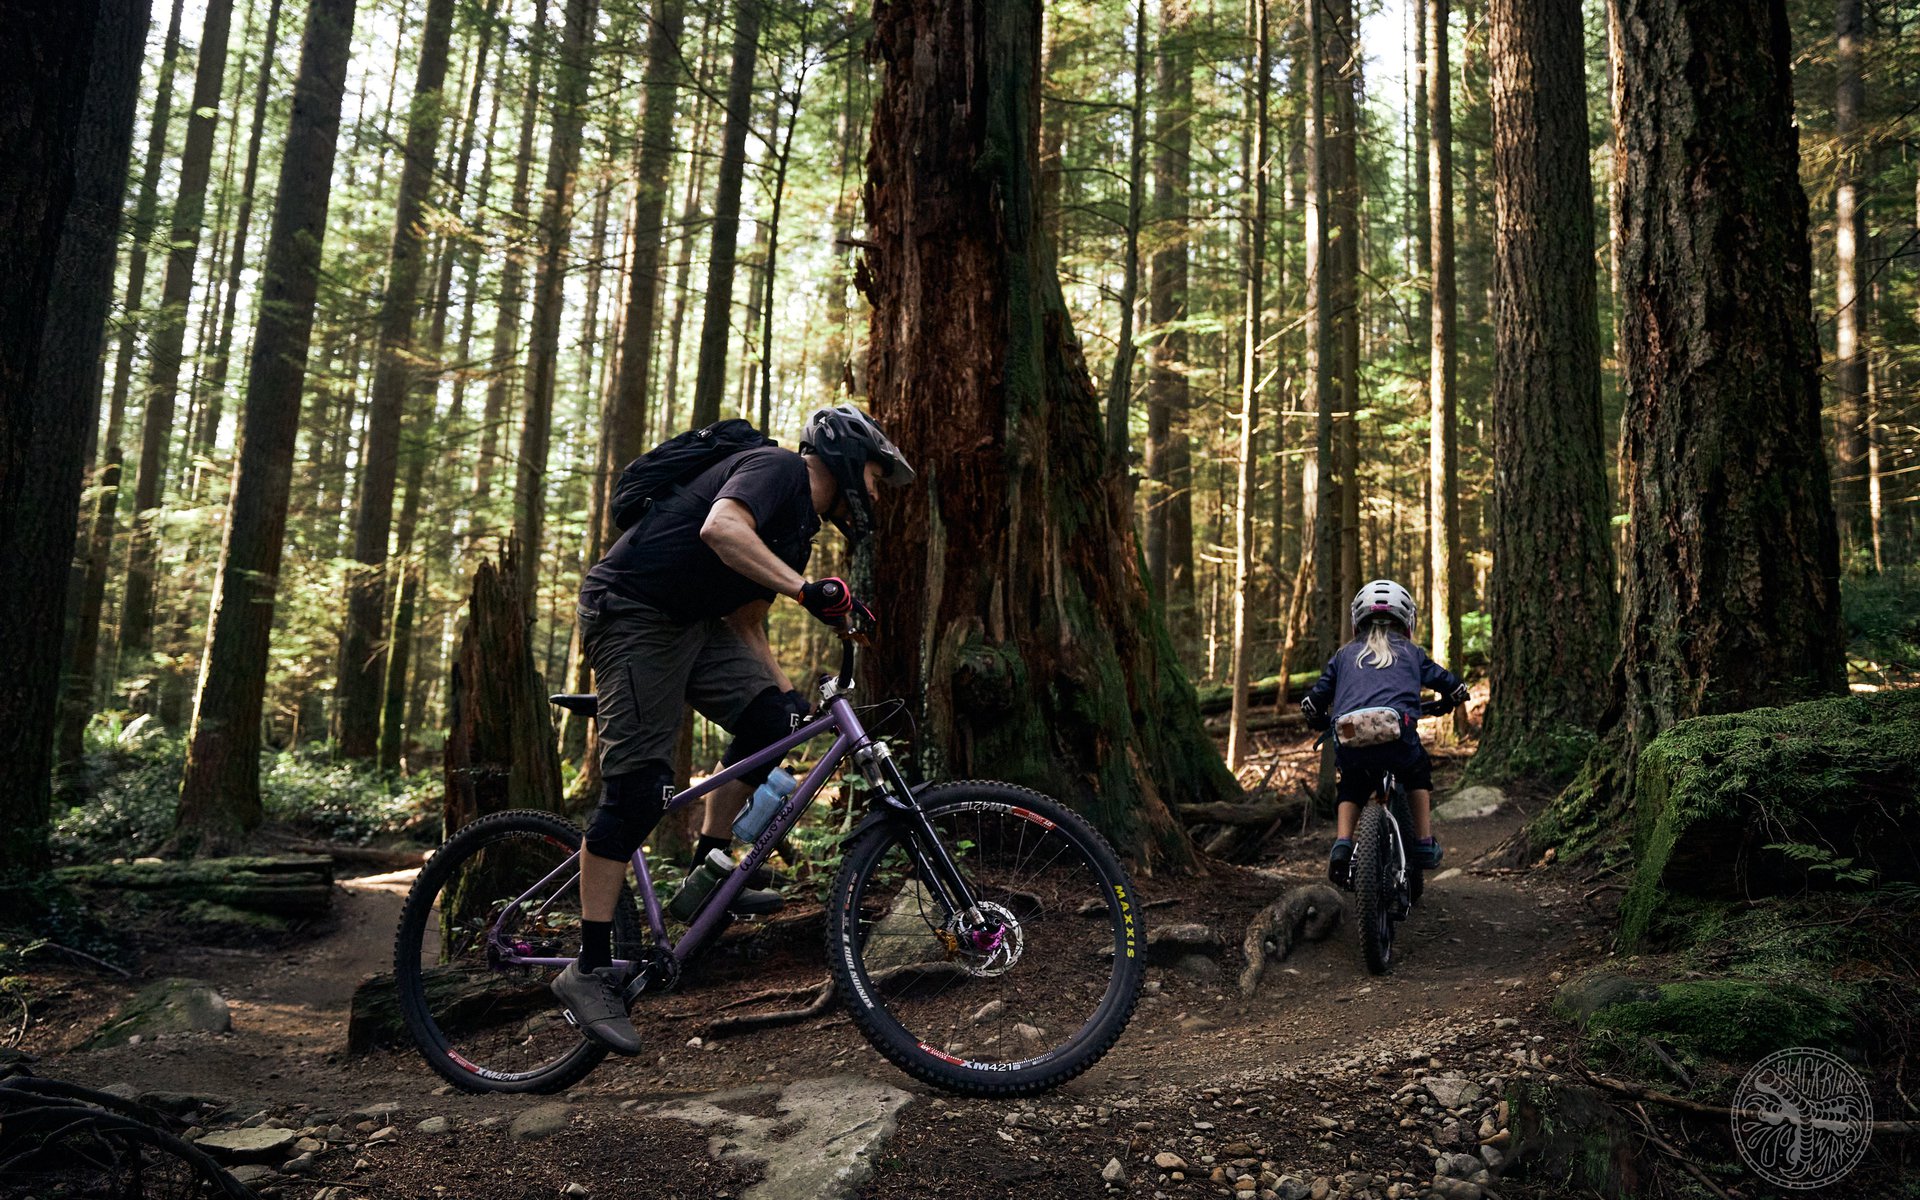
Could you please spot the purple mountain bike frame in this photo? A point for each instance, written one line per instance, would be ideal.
(839, 719)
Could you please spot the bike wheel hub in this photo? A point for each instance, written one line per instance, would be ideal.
(988, 948)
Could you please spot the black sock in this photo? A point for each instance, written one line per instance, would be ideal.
(596, 944)
(707, 843)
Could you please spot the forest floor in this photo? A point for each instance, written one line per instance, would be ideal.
(1312, 1087)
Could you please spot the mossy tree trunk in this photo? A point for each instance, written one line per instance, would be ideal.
(1169, 509)
(1008, 579)
(1554, 629)
(1732, 560)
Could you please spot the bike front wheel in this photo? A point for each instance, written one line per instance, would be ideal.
(498, 897)
(1375, 885)
(1017, 997)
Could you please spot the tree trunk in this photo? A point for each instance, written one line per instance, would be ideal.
(549, 277)
(216, 386)
(506, 327)
(84, 656)
(1732, 559)
(1344, 292)
(220, 794)
(71, 73)
(1850, 307)
(499, 752)
(716, 326)
(169, 336)
(1245, 483)
(1120, 385)
(1443, 538)
(1011, 554)
(1169, 493)
(1326, 528)
(363, 650)
(1552, 557)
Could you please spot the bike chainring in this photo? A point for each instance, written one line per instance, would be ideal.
(659, 972)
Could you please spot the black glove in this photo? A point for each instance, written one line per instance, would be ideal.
(1460, 696)
(832, 601)
(1311, 711)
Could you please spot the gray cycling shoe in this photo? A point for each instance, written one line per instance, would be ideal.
(595, 1006)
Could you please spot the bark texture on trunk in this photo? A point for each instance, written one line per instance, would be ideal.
(500, 752)
(1732, 558)
(549, 277)
(363, 650)
(1554, 628)
(1246, 480)
(716, 325)
(1328, 611)
(220, 794)
(1007, 570)
(69, 72)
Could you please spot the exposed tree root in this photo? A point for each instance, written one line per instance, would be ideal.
(1306, 913)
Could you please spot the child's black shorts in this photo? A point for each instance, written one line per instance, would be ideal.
(1358, 768)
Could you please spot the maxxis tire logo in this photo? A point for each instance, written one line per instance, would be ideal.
(1802, 1118)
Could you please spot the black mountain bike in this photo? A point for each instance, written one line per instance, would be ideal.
(1387, 880)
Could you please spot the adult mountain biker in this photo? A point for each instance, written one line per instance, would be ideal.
(1370, 693)
(674, 614)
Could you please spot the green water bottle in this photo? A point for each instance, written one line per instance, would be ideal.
(699, 885)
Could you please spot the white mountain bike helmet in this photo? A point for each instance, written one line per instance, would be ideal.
(1384, 597)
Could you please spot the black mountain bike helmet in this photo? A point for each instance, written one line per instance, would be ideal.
(846, 440)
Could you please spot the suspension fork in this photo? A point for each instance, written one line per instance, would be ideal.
(929, 853)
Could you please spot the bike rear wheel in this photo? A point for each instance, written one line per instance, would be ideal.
(1374, 886)
(506, 883)
(1025, 999)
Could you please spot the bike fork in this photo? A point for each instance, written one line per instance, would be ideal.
(929, 853)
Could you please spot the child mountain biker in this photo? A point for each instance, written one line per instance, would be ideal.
(1371, 688)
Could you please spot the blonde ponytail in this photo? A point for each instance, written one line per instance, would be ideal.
(1379, 651)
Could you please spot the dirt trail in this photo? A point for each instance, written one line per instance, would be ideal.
(1321, 1039)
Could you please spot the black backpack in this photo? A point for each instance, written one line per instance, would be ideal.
(655, 474)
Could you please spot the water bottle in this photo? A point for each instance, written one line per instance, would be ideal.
(767, 799)
(699, 885)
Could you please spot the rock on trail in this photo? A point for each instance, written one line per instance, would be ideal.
(819, 1143)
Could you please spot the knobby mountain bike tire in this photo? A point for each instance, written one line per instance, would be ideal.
(1373, 887)
(482, 1024)
(1019, 1004)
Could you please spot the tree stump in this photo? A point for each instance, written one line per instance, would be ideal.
(500, 741)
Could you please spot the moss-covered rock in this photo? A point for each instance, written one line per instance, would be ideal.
(169, 1006)
(1733, 1020)
(1568, 1136)
(1775, 801)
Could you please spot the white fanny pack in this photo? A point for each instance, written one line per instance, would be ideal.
(1367, 727)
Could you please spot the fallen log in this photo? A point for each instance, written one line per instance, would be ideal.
(1261, 813)
(294, 886)
(1219, 699)
(376, 856)
(1259, 722)
(895, 980)
(1306, 913)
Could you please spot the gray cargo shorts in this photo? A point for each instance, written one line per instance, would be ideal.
(648, 667)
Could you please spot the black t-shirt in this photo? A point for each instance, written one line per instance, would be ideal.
(661, 560)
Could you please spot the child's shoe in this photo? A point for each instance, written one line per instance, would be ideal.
(1427, 852)
(1340, 862)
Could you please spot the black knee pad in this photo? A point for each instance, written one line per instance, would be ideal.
(772, 715)
(630, 806)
